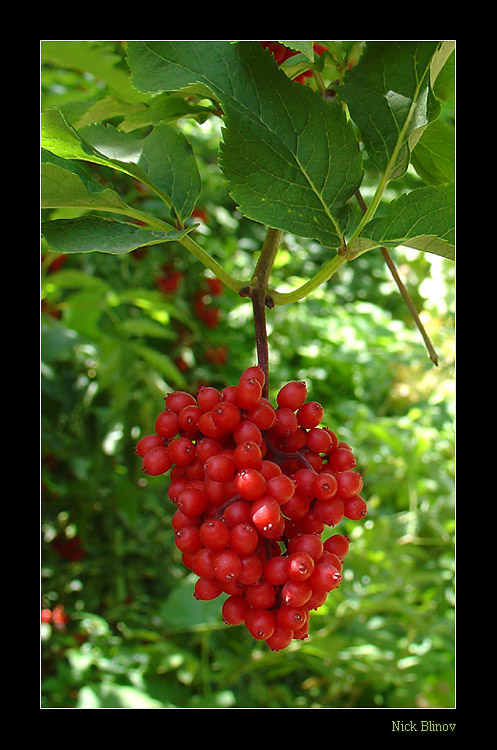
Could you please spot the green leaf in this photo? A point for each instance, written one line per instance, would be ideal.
(98, 59)
(89, 234)
(65, 184)
(106, 109)
(305, 47)
(434, 156)
(389, 97)
(422, 219)
(162, 363)
(164, 108)
(291, 159)
(163, 160)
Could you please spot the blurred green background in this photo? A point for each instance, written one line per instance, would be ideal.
(120, 627)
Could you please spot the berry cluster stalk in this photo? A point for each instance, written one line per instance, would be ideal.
(258, 293)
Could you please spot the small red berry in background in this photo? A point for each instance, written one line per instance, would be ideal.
(257, 488)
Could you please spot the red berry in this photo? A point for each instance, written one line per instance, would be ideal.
(349, 483)
(226, 416)
(280, 639)
(310, 414)
(192, 501)
(325, 486)
(207, 589)
(263, 415)
(341, 459)
(251, 569)
(227, 565)
(177, 400)
(167, 424)
(147, 442)
(248, 393)
(300, 566)
(207, 397)
(220, 467)
(330, 510)
(291, 618)
(260, 623)
(355, 508)
(318, 440)
(187, 539)
(234, 610)
(214, 534)
(265, 514)
(244, 538)
(247, 455)
(325, 577)
(250, 484)
(181, 451)
(275, 570)
(292, 395)
(156, 461)
(281, 487)
(339, 544)
(296, 593)
(261, 594)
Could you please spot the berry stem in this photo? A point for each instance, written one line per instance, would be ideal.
(280, 456)
(258, 293)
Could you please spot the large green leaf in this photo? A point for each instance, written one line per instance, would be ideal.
(291, 159)
(422, 219)
(163, 159)
(95, 234)
(390, 98)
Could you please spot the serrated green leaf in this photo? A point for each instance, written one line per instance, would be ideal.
(291, 159)
(305, 47)
(422, 219)
(389, 97)
(89, 234)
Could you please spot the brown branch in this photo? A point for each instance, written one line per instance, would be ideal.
(405, 294)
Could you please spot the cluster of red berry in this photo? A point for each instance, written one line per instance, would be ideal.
(254, 487)
(282, 53)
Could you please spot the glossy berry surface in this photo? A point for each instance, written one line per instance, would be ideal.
(257, 488)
